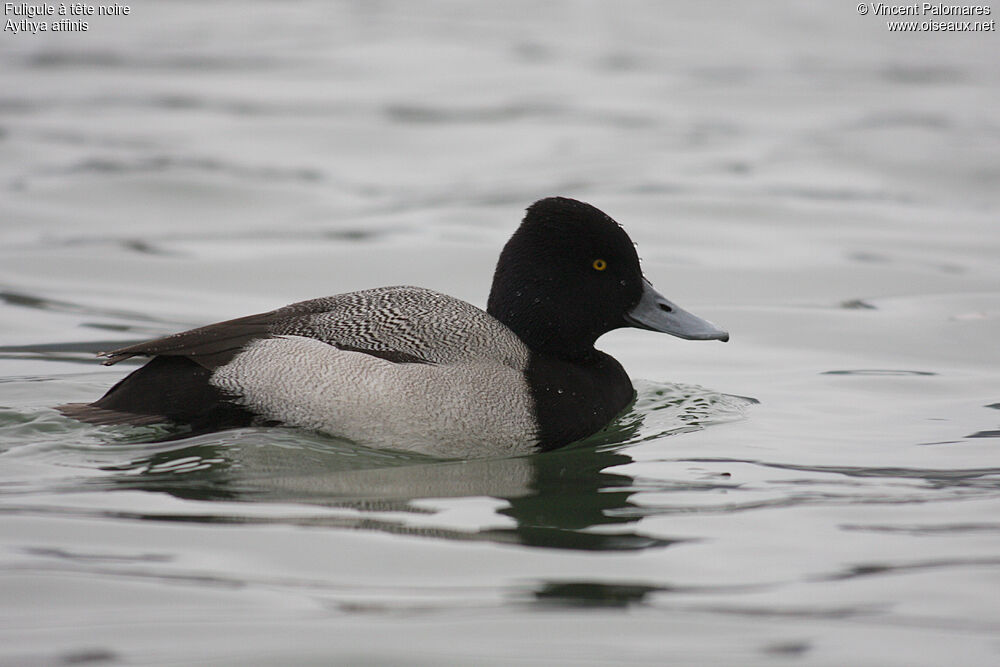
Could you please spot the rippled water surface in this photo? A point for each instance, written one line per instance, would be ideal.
(823, 490)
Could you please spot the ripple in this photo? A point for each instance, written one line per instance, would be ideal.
(594, 594)
(912, 74)
(856, 304)
(164, 163)
(26, 300)
(79, 557)
(944, 530)
(664, 409)
(875, 569)
(988, 478)
(878, 371)
(505, 113)
(137, 60)
(984, 434)
(84, 656)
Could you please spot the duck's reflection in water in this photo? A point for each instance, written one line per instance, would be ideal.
(555, 499)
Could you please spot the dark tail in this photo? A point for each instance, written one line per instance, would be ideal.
(167, 390)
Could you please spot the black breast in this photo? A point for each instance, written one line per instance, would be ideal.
(574, 399)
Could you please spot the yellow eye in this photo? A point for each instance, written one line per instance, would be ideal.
(599, 265)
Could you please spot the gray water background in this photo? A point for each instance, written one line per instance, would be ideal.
(823, 188)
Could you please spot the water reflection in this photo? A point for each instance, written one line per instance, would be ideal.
(555, 499)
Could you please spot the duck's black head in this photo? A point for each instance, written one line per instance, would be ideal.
(570, 274)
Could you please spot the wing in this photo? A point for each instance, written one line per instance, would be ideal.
(399, 324)
(210, 346)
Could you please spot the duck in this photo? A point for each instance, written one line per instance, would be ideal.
(411, 369)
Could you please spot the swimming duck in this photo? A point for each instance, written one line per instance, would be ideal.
(408, 368)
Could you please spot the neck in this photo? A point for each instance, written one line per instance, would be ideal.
(546, 335)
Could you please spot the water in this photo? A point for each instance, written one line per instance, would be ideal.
(822, 490)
